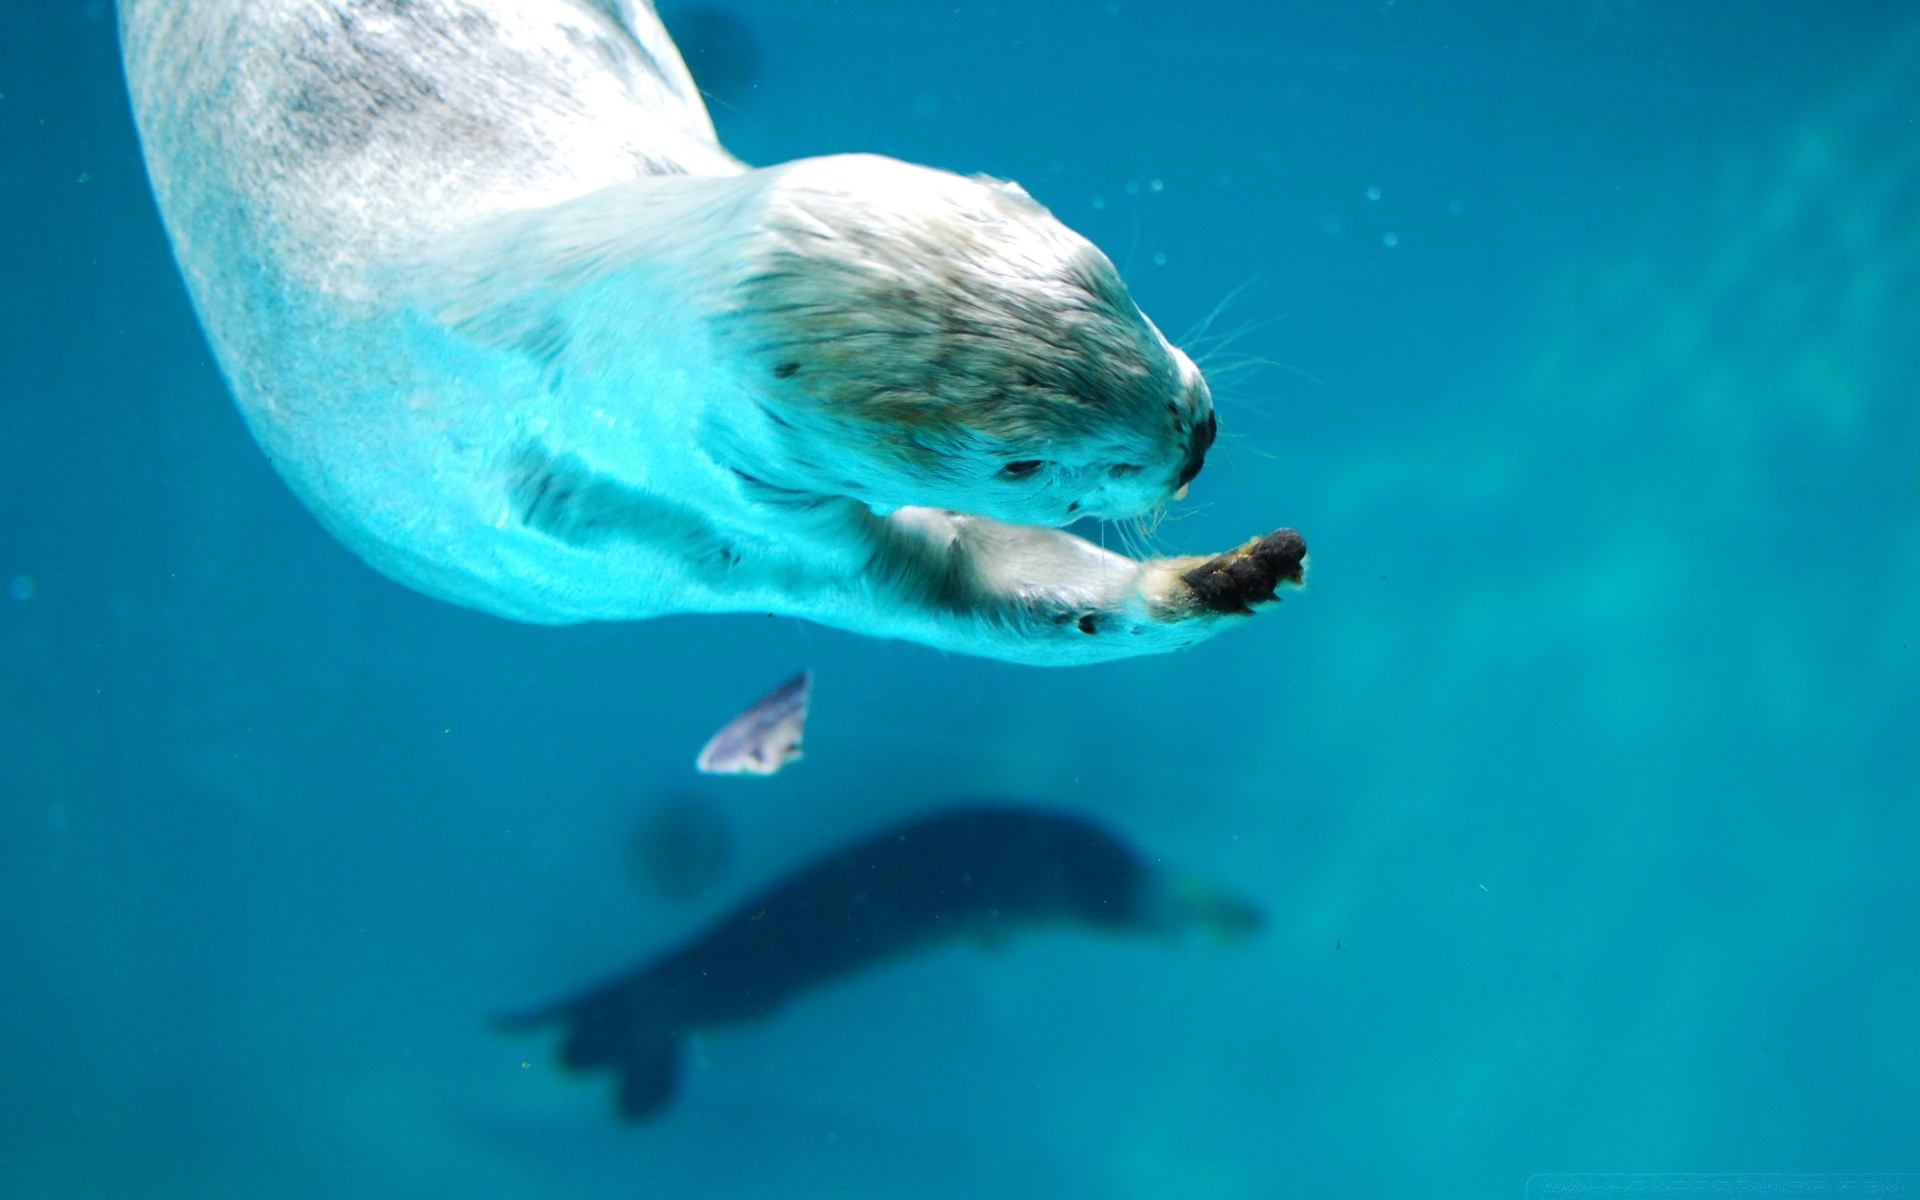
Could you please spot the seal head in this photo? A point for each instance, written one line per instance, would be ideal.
(956, 346)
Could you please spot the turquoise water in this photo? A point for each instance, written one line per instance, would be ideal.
(1578, 787)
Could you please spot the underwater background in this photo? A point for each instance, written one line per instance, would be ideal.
(1578, 787)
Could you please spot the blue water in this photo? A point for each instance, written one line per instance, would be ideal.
(1579, 786)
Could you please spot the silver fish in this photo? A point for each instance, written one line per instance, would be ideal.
(764, 738)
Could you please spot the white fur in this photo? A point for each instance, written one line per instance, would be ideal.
(510, 321)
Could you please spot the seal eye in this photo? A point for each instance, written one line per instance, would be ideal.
(1025, 466)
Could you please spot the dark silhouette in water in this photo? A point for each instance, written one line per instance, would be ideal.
(681, 848)
(980, 871)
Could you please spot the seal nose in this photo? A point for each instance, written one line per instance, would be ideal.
(1203, 435)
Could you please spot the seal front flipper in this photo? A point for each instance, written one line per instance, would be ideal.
(1044, 596)
(1247, 575)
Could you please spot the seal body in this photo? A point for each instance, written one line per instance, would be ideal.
(510, 321)
(985, 872)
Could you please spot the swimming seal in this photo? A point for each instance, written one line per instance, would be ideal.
(505, 315)
(981, 871)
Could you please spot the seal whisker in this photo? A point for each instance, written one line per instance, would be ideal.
(1198, 331)
(1243, 363)
(1146, 527)
(1208, 350)
(1186, 511)
(1244, 441)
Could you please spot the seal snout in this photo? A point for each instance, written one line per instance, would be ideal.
(1203, 435)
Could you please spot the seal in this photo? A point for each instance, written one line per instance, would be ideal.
(985, 872)
(509, 320)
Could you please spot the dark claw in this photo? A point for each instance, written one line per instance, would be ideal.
(1239, 579)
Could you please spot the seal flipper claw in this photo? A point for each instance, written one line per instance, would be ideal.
(1249, 574)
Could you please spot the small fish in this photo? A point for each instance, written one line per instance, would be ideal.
(764, 738)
